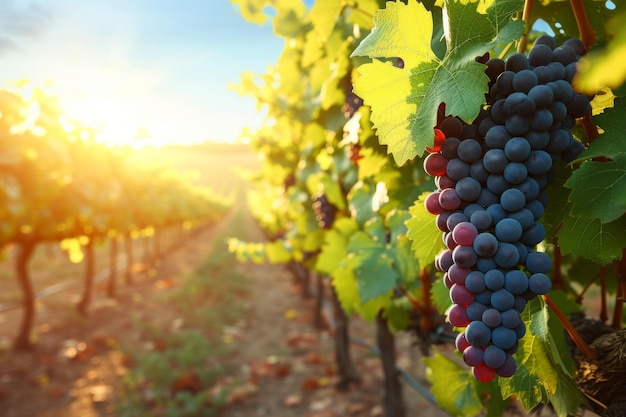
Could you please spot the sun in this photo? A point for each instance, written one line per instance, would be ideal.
(112, 117)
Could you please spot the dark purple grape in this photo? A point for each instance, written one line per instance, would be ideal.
(494, 280)
(564, 54)
(508, 230)
(538, 262)
(539, 284)
(475, 282)
(469, 151)
(540, 54)
(507, 255)
(481, 219)
(524, 80)
(511, 319)
(473, 356)
(517, 125)
(457, 169)
(476, 309)
(519, 103)
(457, 316)
(517, 62)
(464, 256)
(495, 67)
(546, 40)
(515, 173)
(534, 234)
(524, 217)
(491, 317)
(461, 295)
(495, 161)
(449, 147)
(468, 189)
(477, 334)
(516, 282)
(577, 45)
(512, 200)
(451, 127)
(508, 369)
(517, 149)
(494, 357)
(503, 337)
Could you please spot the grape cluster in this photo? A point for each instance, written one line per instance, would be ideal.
(491, 178)
(324, 211)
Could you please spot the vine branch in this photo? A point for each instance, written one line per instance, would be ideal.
(585, 30)
(620, 298)
(528, 9)
(573, 333)
(603, 309)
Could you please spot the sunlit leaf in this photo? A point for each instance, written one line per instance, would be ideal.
(405, 100)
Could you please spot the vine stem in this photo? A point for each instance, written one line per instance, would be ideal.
(528, 9)
(604, 316)
(620, 298)
(417, 306)
(573, 333)
(585, 30)
(557, 278)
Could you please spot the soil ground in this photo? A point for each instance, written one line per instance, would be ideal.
(286, 364)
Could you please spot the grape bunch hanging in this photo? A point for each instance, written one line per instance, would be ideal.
(491, 177)
(324, 211)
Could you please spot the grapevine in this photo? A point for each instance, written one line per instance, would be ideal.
(504, 120)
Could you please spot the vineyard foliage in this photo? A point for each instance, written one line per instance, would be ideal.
(409, 63)
(58, 184)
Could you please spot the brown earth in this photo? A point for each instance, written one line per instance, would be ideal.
(286, 365)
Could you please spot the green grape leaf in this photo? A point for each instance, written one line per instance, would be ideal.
(501, 12)
(289, 21)
(396, 315)
(360, 200)
(396, 222)
(599, 189)
(406, 263)
(372, 265)
(611, 143)
(454, 388)
(541, 375)
(371, 163)
(589, 238)
(333, 251)
(440, 296)
(375, 229)
(405, 101)
(535, 377)
(560, 351)
(604, 67)
(567, 398)
(276, 252)
(423, 231)
(252, 10)
(346, 288)
(324, 15)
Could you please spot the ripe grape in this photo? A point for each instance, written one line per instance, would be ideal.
(491, 177)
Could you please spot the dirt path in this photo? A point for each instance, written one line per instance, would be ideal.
(285, 366)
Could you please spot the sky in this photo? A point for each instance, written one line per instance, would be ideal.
(157, 69)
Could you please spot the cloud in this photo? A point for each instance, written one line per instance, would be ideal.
(19, 22)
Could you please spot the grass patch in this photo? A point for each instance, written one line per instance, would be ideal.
(184, 357)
